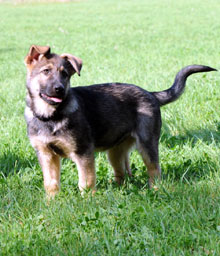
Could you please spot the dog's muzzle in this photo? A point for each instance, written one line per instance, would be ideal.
(55, 97)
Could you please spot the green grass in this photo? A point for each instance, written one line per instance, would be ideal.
(142, 42)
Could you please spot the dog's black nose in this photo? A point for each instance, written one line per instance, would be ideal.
(59, 89)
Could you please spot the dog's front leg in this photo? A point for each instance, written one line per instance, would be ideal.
(86, 172)
(50, 164)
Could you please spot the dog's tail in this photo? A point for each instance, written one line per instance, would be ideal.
(174, 92)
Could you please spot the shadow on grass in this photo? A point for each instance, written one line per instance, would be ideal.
(188, 170)
(11, 163)
(205, 135)
(185, 171)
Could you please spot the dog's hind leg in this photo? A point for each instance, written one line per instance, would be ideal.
(119, 159)
(150, 158)
(147, 139)
(127, 165)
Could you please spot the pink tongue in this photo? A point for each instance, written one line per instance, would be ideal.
(58, 100)
(55, 99)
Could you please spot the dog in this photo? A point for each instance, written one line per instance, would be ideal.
(75, 122)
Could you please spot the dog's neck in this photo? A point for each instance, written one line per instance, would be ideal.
(40, 108)
(45, 112)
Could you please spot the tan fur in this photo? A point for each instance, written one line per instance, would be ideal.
(50, 164)
(65, 144)
(28, 113)
(42, 108)
(86, 172)
(153, 168)
(50, 160)
(119, 159)
(154, 172)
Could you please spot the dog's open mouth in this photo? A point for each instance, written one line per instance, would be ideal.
(50, 99)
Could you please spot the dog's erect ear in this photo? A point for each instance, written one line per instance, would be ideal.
(75, 62)
(35, 52)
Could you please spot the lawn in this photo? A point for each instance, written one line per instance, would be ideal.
(145, 42)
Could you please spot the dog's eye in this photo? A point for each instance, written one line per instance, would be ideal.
(64, 74)
(46, 71)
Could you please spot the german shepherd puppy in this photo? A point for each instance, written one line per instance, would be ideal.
(75, 122)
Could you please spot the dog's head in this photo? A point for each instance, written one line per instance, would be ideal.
(48, 74)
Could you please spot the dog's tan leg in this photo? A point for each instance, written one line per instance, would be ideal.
(147, 140)
(119, 159)
(86, 172)
(154, 172)
(127, 165)
(152, 164)
(118, 163)
(50, 164)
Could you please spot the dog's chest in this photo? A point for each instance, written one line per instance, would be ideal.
(53, 137)
(63, 146)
